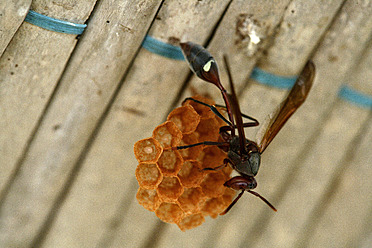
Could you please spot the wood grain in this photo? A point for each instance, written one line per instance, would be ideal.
(298, 194)
(71, 110)
(12, 15)
(345, 201)
(85, 89)
(149, 88)
(30, 69)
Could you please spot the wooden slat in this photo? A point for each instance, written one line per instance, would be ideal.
(105, 50)
(312, 177)
(308, 167)
(299, 33)
(346, 201)
(106, 179)
(288, 60)
(11, 17)
(68, 166)
(263, 17)
(30, 69)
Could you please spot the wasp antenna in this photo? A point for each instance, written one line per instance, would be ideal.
(262, 198)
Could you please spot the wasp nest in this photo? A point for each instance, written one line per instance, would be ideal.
(172, 182)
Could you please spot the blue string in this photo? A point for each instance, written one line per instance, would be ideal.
(174, 52)
(54, 24)
(273, 80)
(348, 94)
(163, 49)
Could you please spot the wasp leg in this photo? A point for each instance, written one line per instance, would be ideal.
(229, 128)
(208, 143)
(225, 162)
(212, 107)
(243, 115)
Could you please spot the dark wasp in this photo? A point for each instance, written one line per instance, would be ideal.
(243, 155)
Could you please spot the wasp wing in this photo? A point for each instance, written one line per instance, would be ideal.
(294, 100)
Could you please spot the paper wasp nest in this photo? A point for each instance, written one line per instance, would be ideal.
(172, 182)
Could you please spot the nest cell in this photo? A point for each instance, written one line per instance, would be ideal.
(191, 221)
(228, 196)
(191, 200)
(169, 212)
(204, 111)
(170, 162)
(211, 157)
(191, 153)
(191, 174)
(185, 118)
(173, 183)
(147, 150)
(148, 175)
(227, 171)
(170, 189)
(208, 130)
(212, 185)
(148, 198)
(213, 207)
(167, 134)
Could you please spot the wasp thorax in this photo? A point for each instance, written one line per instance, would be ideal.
(247, 164)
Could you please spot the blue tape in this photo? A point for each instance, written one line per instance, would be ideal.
(161, 48)
(54, 24)
(174, 52)
(348, 94)
(273, 80)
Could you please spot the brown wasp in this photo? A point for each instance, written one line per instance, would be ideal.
(243, 155)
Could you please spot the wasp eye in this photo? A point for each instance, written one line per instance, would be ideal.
(254, 162)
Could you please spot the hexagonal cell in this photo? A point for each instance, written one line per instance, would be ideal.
(147, 150)
(169, 212)
(170, 189)
(167, 134)
(228, 196)
(191, 200)
(213, 207)
(170, 162)
(191, 221)
(191, 153)
(204, 111)
(148, 198)
(208, 130)
(191, 174)
(212, 185)
(227, 170)
(211, 157)
(148, 175)
(185, 118)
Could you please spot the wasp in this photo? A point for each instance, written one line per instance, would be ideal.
(243, 155)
